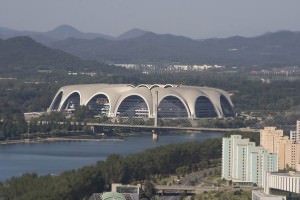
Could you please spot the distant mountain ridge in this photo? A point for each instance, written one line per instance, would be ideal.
(139, 46)
(272, 49)
(26, 55)
(64, 32)
(133, 33)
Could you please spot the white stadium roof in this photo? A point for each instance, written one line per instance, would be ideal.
(150, 95)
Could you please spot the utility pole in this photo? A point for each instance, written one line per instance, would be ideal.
(156, 110)
(28, 130)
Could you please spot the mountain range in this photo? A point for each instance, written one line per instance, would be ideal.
(139, 46)
(64, 32)
(272, 49)
(23, 54)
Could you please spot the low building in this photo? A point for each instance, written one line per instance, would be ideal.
(282, 181)
(129, 191)
(260, 195)
(32, 115)
(119, 192)
(107, 196)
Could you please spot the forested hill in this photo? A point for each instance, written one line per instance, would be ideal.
(138, 46)
(23, 53)
(279, 48)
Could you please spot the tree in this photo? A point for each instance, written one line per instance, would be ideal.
(82, 113)
(149, 189)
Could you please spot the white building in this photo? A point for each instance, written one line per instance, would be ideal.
(129, 191)
(244, 163)
(260, 195)
(282, 181)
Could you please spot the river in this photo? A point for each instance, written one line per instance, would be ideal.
(56, 157)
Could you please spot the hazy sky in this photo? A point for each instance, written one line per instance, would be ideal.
(193, 18)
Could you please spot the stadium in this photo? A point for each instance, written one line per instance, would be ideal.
(145, 101)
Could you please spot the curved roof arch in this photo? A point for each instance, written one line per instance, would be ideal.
(170, 85)
(226, 107)
(128, 95)
(66, 97)
(208, 101)
(151, 94)
(178, 97)
(99, 93)
(144, 85)
(60, 92)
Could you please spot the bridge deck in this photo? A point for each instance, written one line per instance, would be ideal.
(174, 127)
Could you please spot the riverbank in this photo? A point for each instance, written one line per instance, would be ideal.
(44, 138)
(59, 139)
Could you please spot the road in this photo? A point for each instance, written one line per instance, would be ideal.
(187, 181)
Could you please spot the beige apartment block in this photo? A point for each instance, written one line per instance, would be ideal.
(298, 131)
(269, 137)
(296, 156)
(283, 147)
(288, 150)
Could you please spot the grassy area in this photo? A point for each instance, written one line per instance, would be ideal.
(224, 195)
(209, 177)
(169, 180)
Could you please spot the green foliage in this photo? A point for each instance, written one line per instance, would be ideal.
(164, 160)
(236, 122)
(224, 195)
(12, 121)
(53, 117)
(149, 190)
(181, 171)
(82, 114)
(70, 185)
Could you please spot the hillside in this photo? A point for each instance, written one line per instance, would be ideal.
(59, 33)
(65, 31)
(133, 33)
(279, 48)
(139, 46)
(23, 53)
(148, 47)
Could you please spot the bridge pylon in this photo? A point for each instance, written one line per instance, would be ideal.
(154, 135)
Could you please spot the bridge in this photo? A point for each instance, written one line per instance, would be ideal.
(156, 128)
(172, 127)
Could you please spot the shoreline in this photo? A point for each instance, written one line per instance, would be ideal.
(57, 139)
(80, 138)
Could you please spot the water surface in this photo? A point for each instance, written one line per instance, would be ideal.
(56, 157)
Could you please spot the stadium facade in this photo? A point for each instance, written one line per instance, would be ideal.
(146, 101)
